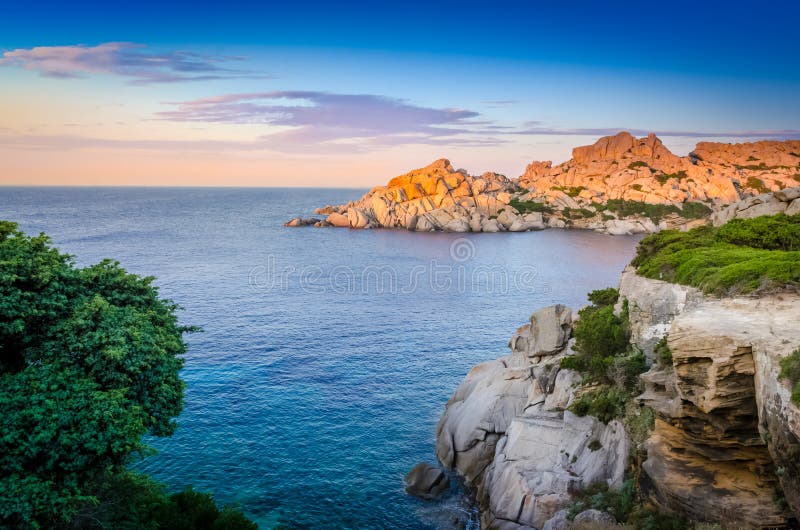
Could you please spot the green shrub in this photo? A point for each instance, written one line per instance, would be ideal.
(594, 445)
(752, 159)
(625, 506)
(529, 206)
(605, 403)
(664, 177)
(777, 232)
(638, 163)
(756, 184)
(574, 191)
(598, 496)
(637, 187)
(662, 352)
(599, 332)
(694, 210)
(604, 297)
(655, 212)
(708, 258)
(790, 369)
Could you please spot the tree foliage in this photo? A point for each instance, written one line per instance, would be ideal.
(89, 363)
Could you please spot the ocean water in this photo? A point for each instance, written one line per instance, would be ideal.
(327, 354)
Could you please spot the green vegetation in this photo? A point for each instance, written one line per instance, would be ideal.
(655, 212)
(89, 361)
(742, 256)
(626, 506)
(595, 445)
(757, 184)
(664, 177)
(572, 191)
(637, 187)
(790, 369)
(759, 167)
(529, 206)
(606, 404)
(638, 163)
(577, 213)
(662, 352)
(605, 357)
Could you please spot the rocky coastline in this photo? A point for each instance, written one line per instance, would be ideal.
(711, 434)
(619, 185)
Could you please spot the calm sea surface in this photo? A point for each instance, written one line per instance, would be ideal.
(327, 354)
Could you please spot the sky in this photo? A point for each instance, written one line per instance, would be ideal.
(348, 94)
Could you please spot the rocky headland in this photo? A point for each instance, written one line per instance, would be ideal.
(664, 404)
(618, 185)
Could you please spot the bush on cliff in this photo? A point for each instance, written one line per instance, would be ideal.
(89, 361)
(743, 256)
(600, 335)
(790, 369)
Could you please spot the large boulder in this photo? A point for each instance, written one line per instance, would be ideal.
(427, 482)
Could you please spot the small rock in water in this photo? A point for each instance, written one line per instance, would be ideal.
(300, 221)
(426, 481)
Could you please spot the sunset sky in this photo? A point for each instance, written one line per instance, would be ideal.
(342, 94)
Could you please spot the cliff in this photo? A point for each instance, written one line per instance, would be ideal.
(694, 421)
(618, 185)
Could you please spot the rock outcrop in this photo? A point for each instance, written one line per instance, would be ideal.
(726, 442)
(507, 433)
(575, 194)
(643, 169)
(785, 201)
(725, 424)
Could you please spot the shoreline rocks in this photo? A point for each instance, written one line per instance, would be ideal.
(508, 435)
(577, 193)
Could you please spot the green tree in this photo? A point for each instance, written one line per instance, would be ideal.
(89, 363)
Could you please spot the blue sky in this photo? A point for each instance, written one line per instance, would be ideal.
(350, 94)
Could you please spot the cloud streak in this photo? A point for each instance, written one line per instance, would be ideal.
(124, 59)
(316, 118)
(780, 134)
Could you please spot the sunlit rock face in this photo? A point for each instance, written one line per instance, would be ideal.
(620, 167)
(643, 169)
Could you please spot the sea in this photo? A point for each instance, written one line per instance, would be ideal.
(326, 355)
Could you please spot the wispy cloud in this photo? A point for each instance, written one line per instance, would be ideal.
(778, 134)
(319, 117)
(125, 59)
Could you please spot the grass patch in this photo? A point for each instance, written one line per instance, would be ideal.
(637, 164)
(790, 369)
(524, 207)
(742, 256)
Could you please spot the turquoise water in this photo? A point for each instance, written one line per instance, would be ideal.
(327, 354)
